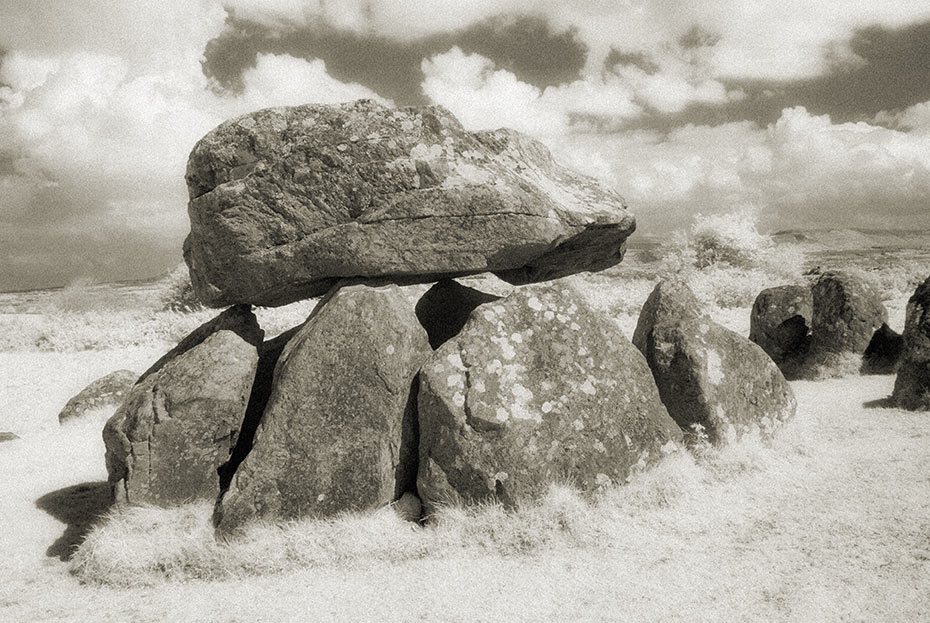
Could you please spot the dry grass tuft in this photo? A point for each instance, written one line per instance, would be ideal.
(143, 546)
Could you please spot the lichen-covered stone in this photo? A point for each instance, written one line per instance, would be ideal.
(286, 201)
(846, 313)
(108, 390)
(780, 323)
(180, 421)
(708, 375)
(537, 388)
(912, 385)
(339, 430)
(670, 301)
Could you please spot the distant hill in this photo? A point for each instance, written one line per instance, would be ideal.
(855, 239)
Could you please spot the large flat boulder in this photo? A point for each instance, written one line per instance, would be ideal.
(912, 385)
(179, 423)
(286, 201)
(536, 388)
(339, 430)
(708, 375)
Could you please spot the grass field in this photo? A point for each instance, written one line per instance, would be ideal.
(828, 522)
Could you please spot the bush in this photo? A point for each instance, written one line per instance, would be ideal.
(730, 239)
(178, 294)
(727, 262)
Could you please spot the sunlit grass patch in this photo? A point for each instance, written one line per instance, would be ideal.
(145, 545)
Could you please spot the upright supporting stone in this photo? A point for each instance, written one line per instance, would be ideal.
(708, 375)
(179, 423)
(536, 389)
(912, 385)
(339, 430)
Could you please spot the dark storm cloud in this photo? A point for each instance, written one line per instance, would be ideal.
(526, 46)
(894, 73)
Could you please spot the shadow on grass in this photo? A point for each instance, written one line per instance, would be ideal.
(78, 506)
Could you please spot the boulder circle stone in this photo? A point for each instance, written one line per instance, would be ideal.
(339, 430)
(883, 353)
(846, 313)
(179, 423)
(912, 385)
(780, 323)
(536, 389)
(708, 375)
(286, 201)
(108, 390)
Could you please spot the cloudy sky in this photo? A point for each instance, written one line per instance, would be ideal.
(810, 114)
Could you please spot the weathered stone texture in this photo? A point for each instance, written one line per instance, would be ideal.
(883, 353)
(286, 201)
(338, 432)
(912, 385)
(537, 388)
(708, 375)
(180, 421)
(780, 323)
(846, 313)
(108, 390)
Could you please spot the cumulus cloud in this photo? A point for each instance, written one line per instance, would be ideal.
(282, 80)
(102, 100)
(803, 170)
(96, 130)
(786, 40)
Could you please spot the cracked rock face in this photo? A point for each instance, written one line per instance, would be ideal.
(707, 374)
(537, 388)
(912, 385)
(338, 432)
(285, 201)
(179, 422)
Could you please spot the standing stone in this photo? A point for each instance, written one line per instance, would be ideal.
(708, 375)
(108, 390)
(846, 312)
(912, 385)
(780, 323)
(286, 201)
(339, 430)
(179, 422)
(883, 353)
(537, 388)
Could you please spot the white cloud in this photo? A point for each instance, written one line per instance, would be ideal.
(96, 127)
(282, 80)
(786, 40)
(802, 170)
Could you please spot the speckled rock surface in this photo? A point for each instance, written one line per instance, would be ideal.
(537, 388)
(339, 430)
(670, 301)
(912, 385)
(180, 421)
(780, 323)
(108, 390)
(846, 312)
(285, 201)
(707, 374)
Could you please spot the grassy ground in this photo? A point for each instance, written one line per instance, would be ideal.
(829, 523)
